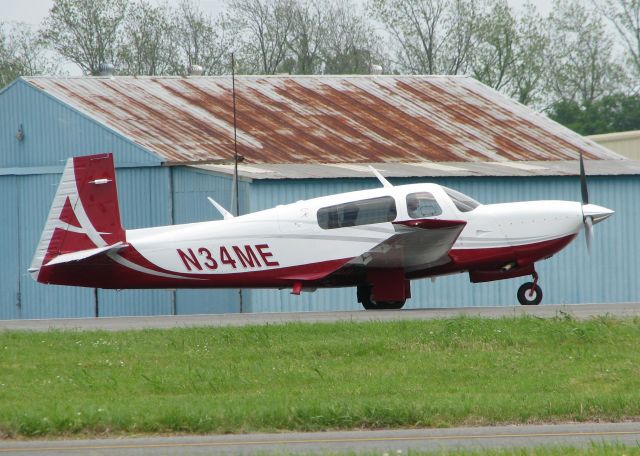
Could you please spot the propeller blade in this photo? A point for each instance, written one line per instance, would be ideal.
(588, 231)
(583, 182)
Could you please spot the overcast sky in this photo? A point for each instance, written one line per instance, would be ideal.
(33, 11)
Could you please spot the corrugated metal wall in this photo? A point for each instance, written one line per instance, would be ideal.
(609, 274)
(35, 193)
(54, 131)
(9, 246)
(191, 187)
(145, 200)
(30, 200)
(29, 174)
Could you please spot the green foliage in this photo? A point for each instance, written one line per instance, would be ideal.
(313, 377)
(581, 60)
(22, 53)
(87, 33)
(611, 113)
(10, 66)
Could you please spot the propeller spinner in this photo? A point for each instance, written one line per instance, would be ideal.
(591, 213)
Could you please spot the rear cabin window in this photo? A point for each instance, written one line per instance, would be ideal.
(354, 213)
(421, 205)
(463, 202)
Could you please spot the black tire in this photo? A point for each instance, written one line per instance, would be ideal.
(383, 305)
(364, 297)
(527, 299)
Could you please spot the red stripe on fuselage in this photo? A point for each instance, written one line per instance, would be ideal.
(496, 257)
(523, 254)
(103, 272)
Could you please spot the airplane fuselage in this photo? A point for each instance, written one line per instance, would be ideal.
(377, 240)
(270, 247)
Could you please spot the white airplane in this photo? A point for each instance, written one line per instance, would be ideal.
(376, 240)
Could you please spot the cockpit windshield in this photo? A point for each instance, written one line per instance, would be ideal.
(463, 202)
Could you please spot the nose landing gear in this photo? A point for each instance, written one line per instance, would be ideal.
(530, 293)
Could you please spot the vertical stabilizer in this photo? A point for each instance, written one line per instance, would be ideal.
(84, 214)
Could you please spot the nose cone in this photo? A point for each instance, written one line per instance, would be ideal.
(597, 213)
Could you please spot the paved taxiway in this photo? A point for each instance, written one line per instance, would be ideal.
(579, 311)
(392, 442)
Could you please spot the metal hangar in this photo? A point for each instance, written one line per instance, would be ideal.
(300, 137)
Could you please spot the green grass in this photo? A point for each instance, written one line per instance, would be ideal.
(319, 376)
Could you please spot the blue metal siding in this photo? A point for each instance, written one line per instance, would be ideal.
(145, 200)
(10, 260)
(43, 301)
(609, 274)
(191, 187)
(54, 131)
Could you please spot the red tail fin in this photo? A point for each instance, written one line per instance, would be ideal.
(84, 214)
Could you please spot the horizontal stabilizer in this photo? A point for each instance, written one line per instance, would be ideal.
(83, 254)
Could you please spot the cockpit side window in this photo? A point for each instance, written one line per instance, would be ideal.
(354, 213)
(421, 205)
(463, 202)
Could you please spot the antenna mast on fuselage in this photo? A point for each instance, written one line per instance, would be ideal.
(236, 209)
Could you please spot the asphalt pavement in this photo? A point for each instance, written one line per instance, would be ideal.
(578, 311)
(392, 442)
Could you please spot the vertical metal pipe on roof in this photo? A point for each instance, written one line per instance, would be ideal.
(172, 221)
(235, 134)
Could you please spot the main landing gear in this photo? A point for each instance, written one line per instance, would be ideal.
(365, 297)
(530, 293)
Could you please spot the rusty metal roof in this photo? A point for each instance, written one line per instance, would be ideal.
(322, 119)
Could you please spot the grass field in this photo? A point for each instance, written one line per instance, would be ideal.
(319, 376)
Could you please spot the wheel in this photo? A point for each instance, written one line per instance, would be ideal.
(383, 305)
(528, 298)
(364, 297)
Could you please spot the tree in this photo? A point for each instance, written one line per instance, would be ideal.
(510, 51)
(611, 113)
(23, 53)
(352, 45)
(263, 27)
(581, 66)
(494, 56)
(203, 40)
(330, 37)
(625, 17)
(310, 25)
(433, 36)
(530, 67)
(86, 32)
(149, 45)
(10, 67)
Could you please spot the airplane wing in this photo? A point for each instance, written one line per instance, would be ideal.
(417, 244)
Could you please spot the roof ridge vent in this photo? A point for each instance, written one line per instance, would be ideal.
(195, 70)
(106, 69)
